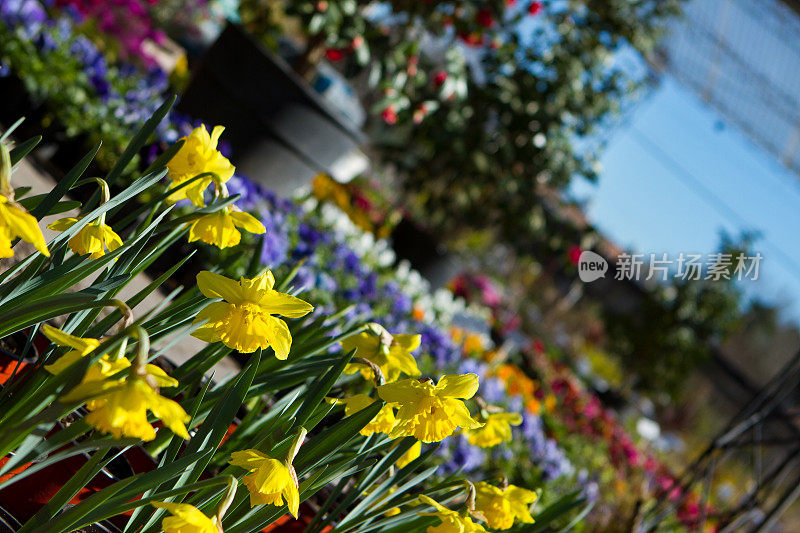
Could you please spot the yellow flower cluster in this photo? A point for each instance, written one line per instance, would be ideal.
(198, 156)
(499, 507)
(245, 315)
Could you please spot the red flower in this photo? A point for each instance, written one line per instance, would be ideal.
(334, 54)
(535, 8)
(471, 39)
(574, 254)
(484, 18)
(389, 115)
(439, 78)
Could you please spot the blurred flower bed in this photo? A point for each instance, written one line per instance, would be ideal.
(561, 439)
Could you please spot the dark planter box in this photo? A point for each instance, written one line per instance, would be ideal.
(282, 133)
(425, 252)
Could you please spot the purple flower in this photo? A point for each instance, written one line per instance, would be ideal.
(472, 366)
(462, 456)
(493, 390)
(439, 345)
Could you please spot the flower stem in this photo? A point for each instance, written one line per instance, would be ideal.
(377, 374)
(227, 500)
(294, 447)
(5, 173)
(105, 196)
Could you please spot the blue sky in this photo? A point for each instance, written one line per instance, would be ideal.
(644, 203)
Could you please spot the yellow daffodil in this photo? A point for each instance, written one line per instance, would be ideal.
(501, 507)
(198, 155)
(244, 320)
(80, 347)
(119, 406)
(392, 353)
(452, 521)
(410, 455)
(431, 412)
(220, 227)
(93, 239)
(270, 481)
(496, 429)
(186, 519)
(383, 421)
(105, 367)
(16, 222)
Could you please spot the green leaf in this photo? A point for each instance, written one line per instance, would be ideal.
(59, 304)
(31, 202)
(107, 502)
(320, 389)
(70, 489)
(139, 140)
(331, 439)
(22, 149)
(555, 511)
(64, 184)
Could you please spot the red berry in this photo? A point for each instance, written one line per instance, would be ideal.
(535, 8)
(439, 78)
(358, 42)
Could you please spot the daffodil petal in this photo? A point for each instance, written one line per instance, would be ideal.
(247, 222)
(279, 337)
(402, 391)
(216, 286)
(458, 386)
(278, 303)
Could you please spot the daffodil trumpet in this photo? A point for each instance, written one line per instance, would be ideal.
(95, 237)
(270, 480)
